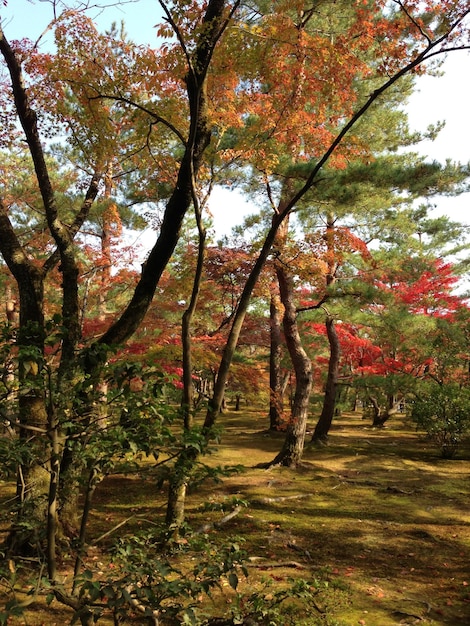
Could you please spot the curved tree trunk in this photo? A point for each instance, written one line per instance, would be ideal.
(322, 428)
(188, 458)
(379, 416)
(199, 136)
(215, 21)
(292, 449)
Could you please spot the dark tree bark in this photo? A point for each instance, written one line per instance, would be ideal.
(380, 416)
(187, 459)
(32, 425)
(36, 415)
(215, 21)
(323, 425)
(179, 480)
(216, 401)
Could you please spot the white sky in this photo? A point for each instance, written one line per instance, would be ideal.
(445, 98)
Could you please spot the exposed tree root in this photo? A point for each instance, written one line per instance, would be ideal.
(205, 528)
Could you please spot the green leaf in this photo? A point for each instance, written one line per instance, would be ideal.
(233, 580)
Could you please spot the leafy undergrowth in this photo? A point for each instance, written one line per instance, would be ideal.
(376, 516)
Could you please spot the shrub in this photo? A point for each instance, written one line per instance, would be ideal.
(443, 411)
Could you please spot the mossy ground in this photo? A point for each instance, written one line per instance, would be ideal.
(376, 509)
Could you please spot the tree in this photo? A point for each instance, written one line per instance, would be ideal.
(404, 62)
(291, 451)
(261, 80)
(89, 116)
(403, 328)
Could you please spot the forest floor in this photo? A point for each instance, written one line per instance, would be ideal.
(376, 513)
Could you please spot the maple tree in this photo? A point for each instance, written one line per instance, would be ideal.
(389, 343)
(91, 129)
(403, 336)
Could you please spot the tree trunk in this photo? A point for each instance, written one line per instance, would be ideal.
(9, 368)
(324, 423)
(178, 480)
(237, 323)
(33, 477)
(292, 449)
(188, 384)
(187, 459)
(323, 426)
(184, 193)
(36, 482)
(276, 382)
(199, 137)
(176, 504)
(379, 417)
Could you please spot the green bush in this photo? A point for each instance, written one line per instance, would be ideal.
(443, 411)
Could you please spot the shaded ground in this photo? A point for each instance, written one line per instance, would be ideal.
(376, 509)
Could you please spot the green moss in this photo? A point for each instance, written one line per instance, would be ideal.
(375, 512)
